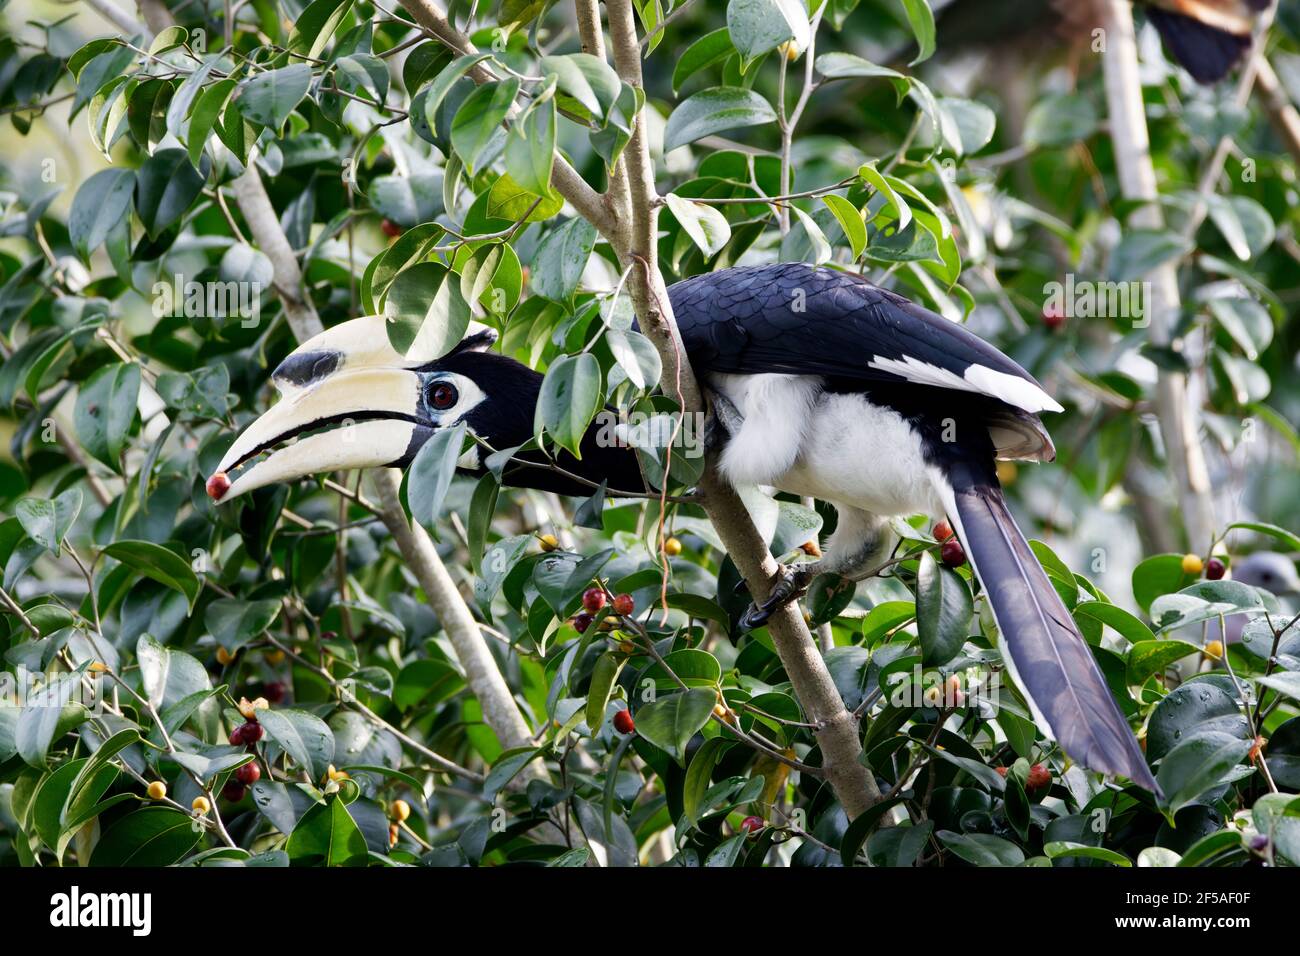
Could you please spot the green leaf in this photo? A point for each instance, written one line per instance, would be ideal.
(944, 611)
(149, 837)
(840, 66)
(1197, 765)
(1129, 627)
(868, 173)
(702, 53)
(587, 79)
(206, 113)
(571, 395)
(165, 189)
(1246, 322)
(476, 132)
(327, 836)
(1277, 816)
(636, 356)
(603, 677)
(48, 522)
(759, 26)
(1064, 849)
(713, 111)
(441, 86)
(921, 19)
(1153, 657)
(46, 716)
(698, 777)
(306, 738)
(427, 315)
(982, 849)
(530, 148)
(233, 622)
(106, 409)
(561, 258)
(707, 227)
(1289, 540)
(158, 564)
(100, 204)
(507, 766)
(850, 219)
(268, 98)
(167, 675)
(670, 722)
(1157, 575)
(431, 473)
(315, 26)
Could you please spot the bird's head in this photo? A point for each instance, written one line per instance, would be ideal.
(348, 399)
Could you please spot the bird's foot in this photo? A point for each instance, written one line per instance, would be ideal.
(790, 584)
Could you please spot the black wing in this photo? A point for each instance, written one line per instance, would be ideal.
(804, 320)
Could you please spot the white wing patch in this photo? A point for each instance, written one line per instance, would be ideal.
(1012, 389)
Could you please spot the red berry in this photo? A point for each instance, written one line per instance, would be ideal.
(218, 485)
(581, 621)
(1053, 317)
(233, 791)
(593, 599)
(752, 824)
(624, 723)
(624, 605)
(249, 773)
(252, 732)
(952, 553)
(1002, 771)
(274, 691)
(391, 228)
(1039, 777)
(1214, 569)
(237, 735)
(942, 531)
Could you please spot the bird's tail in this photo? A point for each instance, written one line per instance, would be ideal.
(1044, 650)
(1207, 52)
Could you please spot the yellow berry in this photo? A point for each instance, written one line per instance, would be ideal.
(275, 657)
(201, 805)
(672, 547)
(790, 50)
(1214, 650)
(97, 667)
(393, 832)
(337, 775)
(627, 647)
(248, 708)
(401, 810)
(1192, 564)
(548, 541)
(157, 790)
(224, 657)
(1007, 472)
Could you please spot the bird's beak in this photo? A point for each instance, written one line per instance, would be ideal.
(347, 400)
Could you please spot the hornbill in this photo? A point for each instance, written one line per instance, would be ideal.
(822, 384)
(1208, 37)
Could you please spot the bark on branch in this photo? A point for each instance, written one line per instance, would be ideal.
(1179, 422)
(635, 241)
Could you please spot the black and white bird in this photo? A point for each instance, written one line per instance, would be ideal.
(822, 384)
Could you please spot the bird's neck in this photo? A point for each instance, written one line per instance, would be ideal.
(514, 408)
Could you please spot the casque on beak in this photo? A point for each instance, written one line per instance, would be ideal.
(348, 399)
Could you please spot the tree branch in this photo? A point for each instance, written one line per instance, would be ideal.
(566, 180)
(1279, 107)
(636, 244)
(1179, 424)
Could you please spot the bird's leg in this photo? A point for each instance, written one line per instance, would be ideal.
(860, 544)
(723, 424)
(790, 583)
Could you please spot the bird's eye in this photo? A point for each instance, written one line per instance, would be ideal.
(442, 395)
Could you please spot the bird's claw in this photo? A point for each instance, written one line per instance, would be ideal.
(790, 584)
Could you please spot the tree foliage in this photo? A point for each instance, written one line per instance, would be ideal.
(141, 309)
